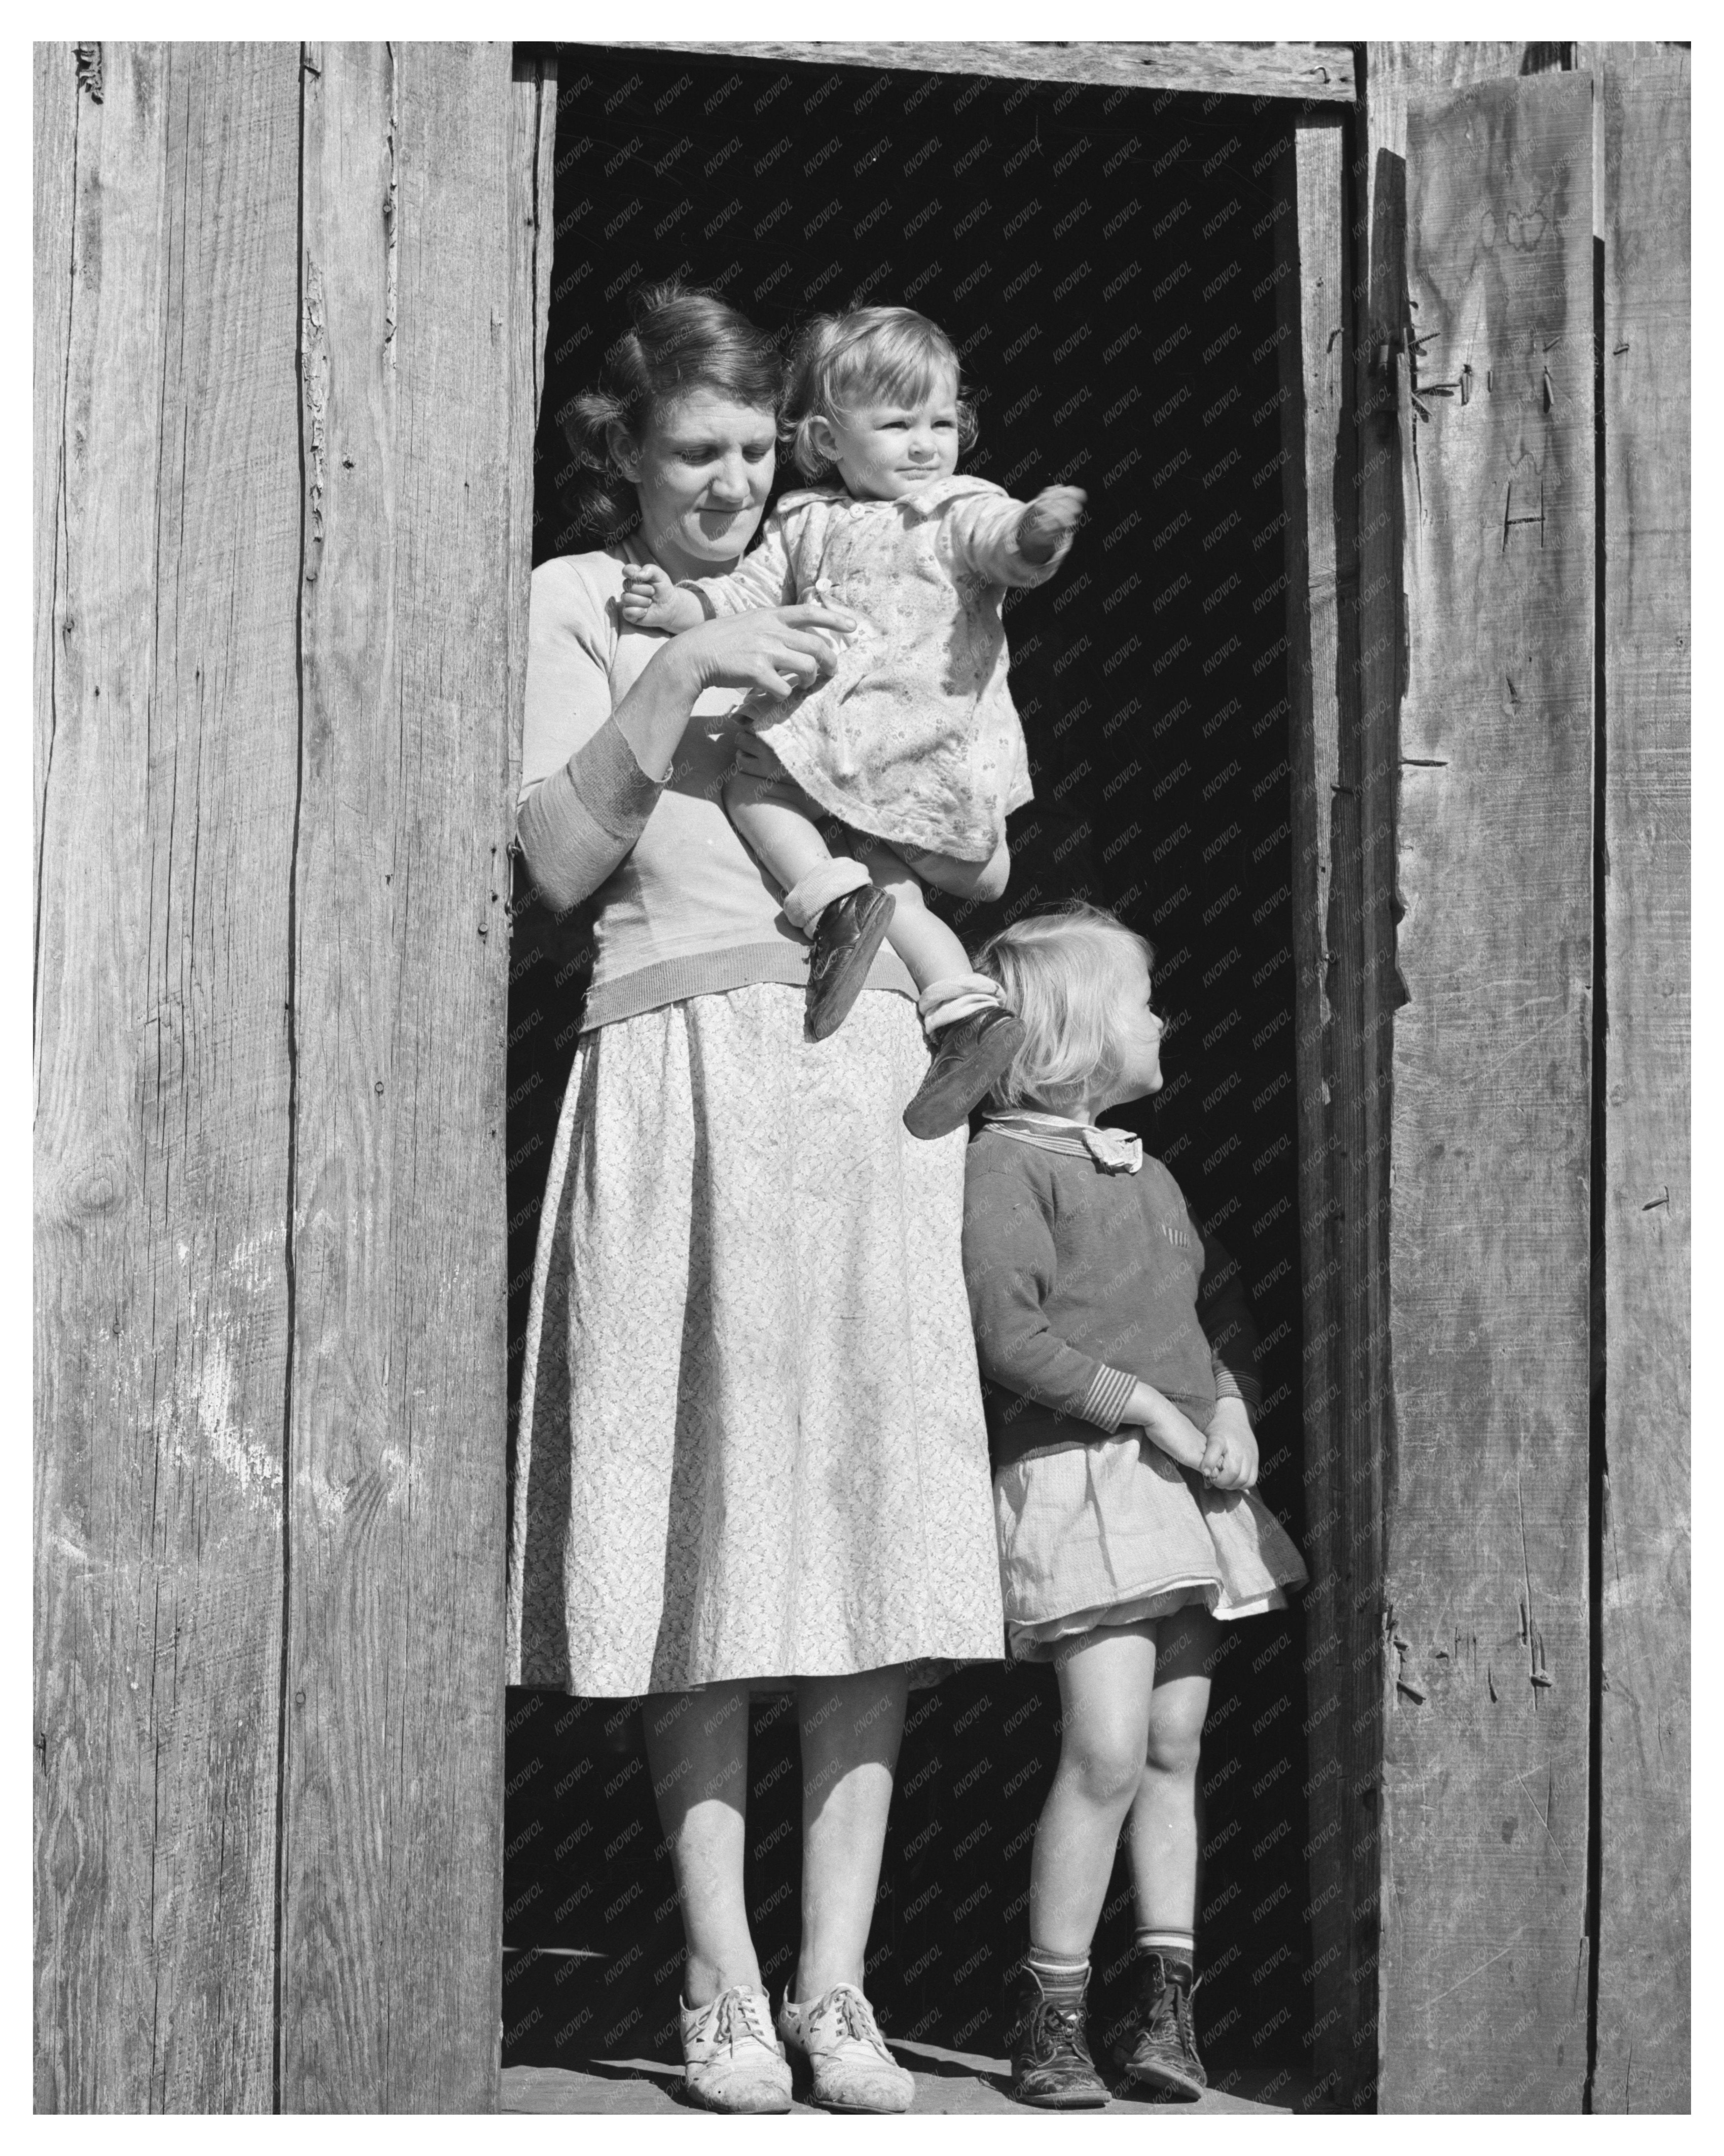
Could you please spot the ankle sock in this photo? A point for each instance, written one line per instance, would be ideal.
(944, 1002)
(1177, 1948)
(1061, 1977)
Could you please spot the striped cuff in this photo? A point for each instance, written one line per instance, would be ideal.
(1229, 1385)
(1109, 1396)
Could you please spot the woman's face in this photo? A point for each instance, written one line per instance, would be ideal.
(702, 471)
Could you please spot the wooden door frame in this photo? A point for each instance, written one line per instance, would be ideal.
(1341, 683)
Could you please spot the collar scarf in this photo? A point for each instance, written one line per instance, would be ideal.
(1115, 1153)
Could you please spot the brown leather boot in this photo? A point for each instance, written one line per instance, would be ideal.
(970, 1056)
(846, 935)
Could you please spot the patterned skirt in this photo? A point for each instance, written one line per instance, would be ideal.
(1112, 1532)
(750, 1436)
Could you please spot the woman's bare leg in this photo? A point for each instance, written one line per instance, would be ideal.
(697, 1748)
(1106, 1682)
(1167, 1818)
(851, 1731)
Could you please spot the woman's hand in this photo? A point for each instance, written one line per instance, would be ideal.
(776, 649)
(651, 601)
(1165, 1427)
(1229, 1460)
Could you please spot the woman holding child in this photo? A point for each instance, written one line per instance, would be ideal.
(753, 1452)
(751, 1447)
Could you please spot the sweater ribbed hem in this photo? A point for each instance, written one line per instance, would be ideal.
(715, 972)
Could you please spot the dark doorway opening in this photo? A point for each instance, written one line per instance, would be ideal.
(1105, 259)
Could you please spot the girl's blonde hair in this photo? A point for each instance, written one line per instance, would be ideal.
(1062, 973)
(870, 355)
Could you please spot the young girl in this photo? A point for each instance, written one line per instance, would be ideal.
(1118, 1357)
(913, 742)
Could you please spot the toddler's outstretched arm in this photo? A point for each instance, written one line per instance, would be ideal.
(1014, 542)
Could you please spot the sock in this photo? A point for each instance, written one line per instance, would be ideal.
(809, 898)
(944, 1002)
(1178, 1949)
(1061, 1977)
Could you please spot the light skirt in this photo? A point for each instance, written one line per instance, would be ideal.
(1111, 1532)
(750, 1436)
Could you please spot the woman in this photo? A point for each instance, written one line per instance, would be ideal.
(752, 1448)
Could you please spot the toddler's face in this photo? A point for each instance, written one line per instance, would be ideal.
(884, 451)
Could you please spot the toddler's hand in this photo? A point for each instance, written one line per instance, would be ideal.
(651, 601)
(1058, 508)
(1046, 521)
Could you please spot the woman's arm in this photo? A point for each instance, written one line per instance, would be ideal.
(584, 816)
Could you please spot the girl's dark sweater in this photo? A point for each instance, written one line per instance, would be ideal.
(1083, 1282)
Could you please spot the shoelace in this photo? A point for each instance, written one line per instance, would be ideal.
(1172, 2006)
(1062, 2021)
(724, 2028)
(856, 2018)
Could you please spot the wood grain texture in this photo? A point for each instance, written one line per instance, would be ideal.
(166, 784)
(1642, 2048)
(1319, 498)
(1317, 72)
(392, 1868)
(1485, 1782)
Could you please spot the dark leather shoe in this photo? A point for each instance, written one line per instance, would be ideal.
(1159, 2045)
(847, 934)
(970, 1056)
(1051, 2066)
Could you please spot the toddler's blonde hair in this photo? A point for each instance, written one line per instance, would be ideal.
(1061, 972)
(872, 355)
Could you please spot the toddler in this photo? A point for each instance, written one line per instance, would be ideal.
(1118, 1360)
(913, 742)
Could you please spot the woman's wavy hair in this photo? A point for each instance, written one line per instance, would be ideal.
(1062, 972)
(681, 339)
(869, 356)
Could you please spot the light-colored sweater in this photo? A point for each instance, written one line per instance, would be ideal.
(681, 907)
(914, 737)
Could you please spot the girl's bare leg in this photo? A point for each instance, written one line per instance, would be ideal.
(1105, 1683)
(697, 1748)
(1167, 1818)
(850, 1730)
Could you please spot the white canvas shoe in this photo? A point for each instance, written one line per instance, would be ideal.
(732, 2061)
(839, 2036)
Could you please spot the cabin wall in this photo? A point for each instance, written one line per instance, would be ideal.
(1524, 571)
(287, 309)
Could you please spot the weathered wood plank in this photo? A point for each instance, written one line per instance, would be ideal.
(1642, 2048)
(1309, 71)
(1315, 306)
(391, 1815)
(162, 1084)
(533, 167)
(1486, 1619)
